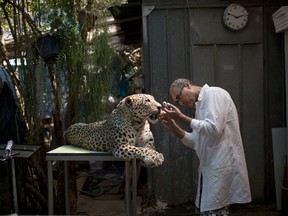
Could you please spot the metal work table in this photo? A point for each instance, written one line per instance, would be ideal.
(68, 153)
(19, 152)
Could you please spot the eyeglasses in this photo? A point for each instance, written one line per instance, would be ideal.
(178, 96)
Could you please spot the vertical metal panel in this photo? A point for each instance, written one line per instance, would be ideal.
(252, 116)
(157, 35)
(168, 61)
(177, 43)
(228, 70)
(203, 62)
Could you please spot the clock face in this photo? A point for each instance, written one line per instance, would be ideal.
(235, 17)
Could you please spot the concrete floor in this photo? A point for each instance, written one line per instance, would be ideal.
(107, 201)
(112, 203)
(245, 210)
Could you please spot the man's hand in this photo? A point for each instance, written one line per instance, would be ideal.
(166, 120)
(171, 111)
(171, 125)
(175, 114)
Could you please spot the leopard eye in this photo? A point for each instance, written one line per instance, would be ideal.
(147, 100)
(128, 101)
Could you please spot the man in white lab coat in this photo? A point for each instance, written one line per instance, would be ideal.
(216, 138)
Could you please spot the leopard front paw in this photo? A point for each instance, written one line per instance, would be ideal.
(153, 160)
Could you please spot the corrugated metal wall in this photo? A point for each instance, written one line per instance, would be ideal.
(175, 181)
(193, 43)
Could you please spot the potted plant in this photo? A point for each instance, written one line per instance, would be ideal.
(48, 46)
(56, 24)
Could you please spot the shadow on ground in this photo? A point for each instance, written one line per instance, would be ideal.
(188, 209)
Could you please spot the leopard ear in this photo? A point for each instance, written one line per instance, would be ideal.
(128, 101)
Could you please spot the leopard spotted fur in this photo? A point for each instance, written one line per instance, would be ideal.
(125, 133)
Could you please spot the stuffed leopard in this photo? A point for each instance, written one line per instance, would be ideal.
(126, 132)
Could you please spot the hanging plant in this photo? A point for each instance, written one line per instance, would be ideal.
(48, 47)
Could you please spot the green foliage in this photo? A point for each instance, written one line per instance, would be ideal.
(59, 21)
(88, 77)
(80, 78)
(83, 66)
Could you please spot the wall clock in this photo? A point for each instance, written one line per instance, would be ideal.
(235, 17)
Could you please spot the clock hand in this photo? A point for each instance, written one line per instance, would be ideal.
(232, 15)
(236, 16)
(239, 16)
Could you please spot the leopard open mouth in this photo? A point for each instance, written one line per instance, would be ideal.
(153, 117)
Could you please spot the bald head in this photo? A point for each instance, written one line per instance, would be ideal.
(178, 83)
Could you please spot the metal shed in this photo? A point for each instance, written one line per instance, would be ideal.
(188, 39)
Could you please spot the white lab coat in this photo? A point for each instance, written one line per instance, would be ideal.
(217, 141)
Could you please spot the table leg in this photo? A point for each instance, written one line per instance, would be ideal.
(66, 181)
(15, 197)
(50, 188)
(134, 187)
(128, 187)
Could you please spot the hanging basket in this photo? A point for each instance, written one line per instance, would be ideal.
(48, 46)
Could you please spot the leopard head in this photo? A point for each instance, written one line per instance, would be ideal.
(141, 107)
